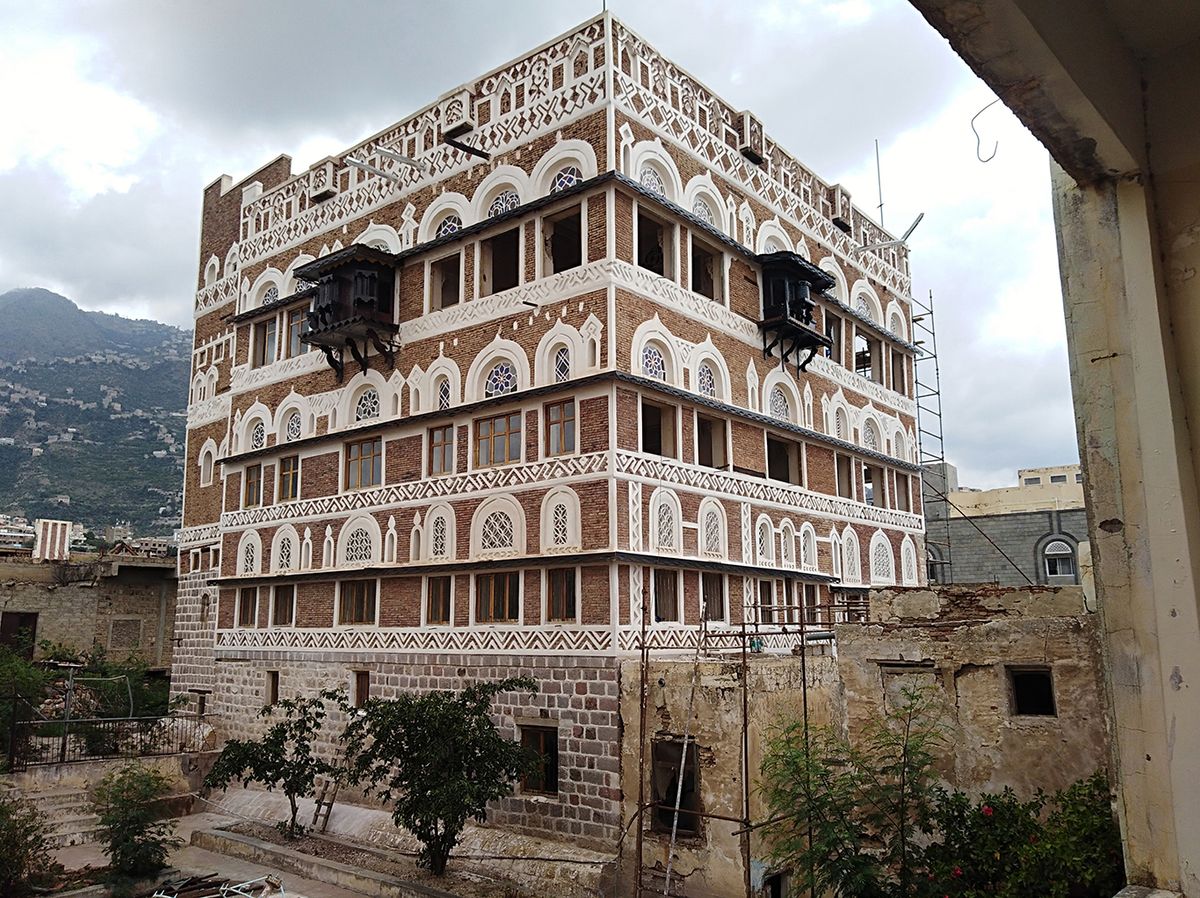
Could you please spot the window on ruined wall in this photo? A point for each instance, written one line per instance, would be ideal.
(445, 282)
(655, 245)
(543, 778)
(498, 598)
(1031, 692)
(356, 602)
(271, 687)
(706, 270)
(562, 235)
(362, 687)
(500, 262)
(1060, 560)
(675, 772)
(711, 442)
(658, 429)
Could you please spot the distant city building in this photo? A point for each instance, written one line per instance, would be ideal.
(51, 540)
(1012, 536)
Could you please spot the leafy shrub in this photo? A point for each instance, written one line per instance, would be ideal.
(129, 803)
(283, 758)
(438, 758)
(24, 846)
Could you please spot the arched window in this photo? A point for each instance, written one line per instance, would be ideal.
(883, 565)
(562, 365)
(367, 406)
(560, 531)
(500, 380)
(271, 295)
(808, 549)
(787, 546)
(841, 428)
(206, 467)
(258, 435)
(710, 540)
(780, 407)
(706, 381)
(1060, 559)
(359, 547)
(505, 202)
(249, 558)
(666, 528)
(772, 246)
(864, 308)
(653, 363)
(652, 180)
(438, 541)
(497, 532)
(285, 559)
(567, 177)
(443, 393)
(908, 563)
(294, 426)
(702, 210)
(851, 563)
(870, 435)
(765, 543)
(451, 224)
(896, 324)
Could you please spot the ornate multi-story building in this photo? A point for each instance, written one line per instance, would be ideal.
(573, 358)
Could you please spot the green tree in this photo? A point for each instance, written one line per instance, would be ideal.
(283, 758)
(24, 846)
(849, 818)
(438, 759)
(129, 803)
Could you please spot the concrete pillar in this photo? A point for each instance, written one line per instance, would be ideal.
(1143, 517)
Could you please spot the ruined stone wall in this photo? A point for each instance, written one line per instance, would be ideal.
(962, 644)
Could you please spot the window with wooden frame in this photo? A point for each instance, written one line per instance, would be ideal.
(295, 329)
(903, 493)
(710, 442)
(563, 236)
(899, 376)
(438, 591)
(252, 488)
(560, 427)
(707, 270)
(441, 450)
(247, 606)
(498, 598)
(498, 440)
(543, 778)
(658, 429)
(560, 595)
(445, 282)
(263, 347)
(362, 687)
(272, 687)
(283, 606)
(356, 602)
(766, 601)
(844, 470)
(364, 463)
(289, 478)
(712, 589)
(666, 595)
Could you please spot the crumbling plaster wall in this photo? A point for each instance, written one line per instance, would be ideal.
(962, 641)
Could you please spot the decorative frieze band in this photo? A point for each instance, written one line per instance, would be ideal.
(208, 411)
(216, 294)
(243, 377)
(202, 534)
(524, 640)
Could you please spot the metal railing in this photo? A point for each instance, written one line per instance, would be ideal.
(38, 742)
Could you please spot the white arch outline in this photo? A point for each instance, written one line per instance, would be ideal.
(707, 504)
(364, 522)
(496, 351)
(566, 152)
(249, 539)
(708, 352)
(563, 495)
(654, 330)
(559, 334)
(652, 153)
(882, 578)
(285, 531)
(663, 495)
(439, 209)
(514, 510)
(440, 510)
(375, 234)
(500, 178)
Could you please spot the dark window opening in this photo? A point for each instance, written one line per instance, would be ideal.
(705, 269)
(247, 606)
(498, 598)
(18, 631)
(445, 282)
(264, 343)
(783, 461)
(1060, 566)
(867, 358)
(873, 491)
(282, 606)
(833, 330)
(437, 611)
(362, 687)
(543, 779)
(653, 246)
(710, 442)
(1032, 692)
(560, 594)
(272, 695)
(766, 601)
(357, 605)
(501, 262)
(666, 595)
(903, 493)
(712, 587)
(673, 774)
(777, 885)
(564, 240)
(658, 429)
(845, 477)
(812, 613)
(1058, 478)
(899, 377)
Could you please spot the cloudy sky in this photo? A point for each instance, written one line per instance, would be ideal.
(116, 114)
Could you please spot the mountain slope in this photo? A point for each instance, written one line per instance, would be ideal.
(92, 414)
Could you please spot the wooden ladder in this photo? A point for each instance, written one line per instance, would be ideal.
(327, 795)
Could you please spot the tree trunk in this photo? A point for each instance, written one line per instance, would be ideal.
(292, 824)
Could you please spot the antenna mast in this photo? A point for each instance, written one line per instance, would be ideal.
(879, 181)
